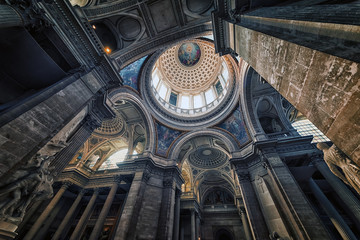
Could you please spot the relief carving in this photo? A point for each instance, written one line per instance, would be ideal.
(335, 159)
(31, 182)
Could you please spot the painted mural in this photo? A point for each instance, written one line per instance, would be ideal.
(165, 136)
(189, 54)
(131, 72)
(236, 126)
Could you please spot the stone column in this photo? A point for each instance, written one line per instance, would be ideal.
(49, 220)
(340, 188)
(30, 235)
(182, 232)
(193, 225)
(198, 227)
(78, 139)
(68, 216)
(177, 214)
(298, 211)
(104, 212)
(254, 214)
(166, 217)
(132, 206)
(334, 216)
(9, 17)
(245, 224)
(84, 217)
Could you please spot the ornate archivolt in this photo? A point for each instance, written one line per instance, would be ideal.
(216, 138)
(125, 132)
(121, 96)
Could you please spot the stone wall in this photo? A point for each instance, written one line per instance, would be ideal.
(22, 137)
(323, 87)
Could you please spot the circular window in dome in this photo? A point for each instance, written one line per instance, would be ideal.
(189, 82)
(189, 54)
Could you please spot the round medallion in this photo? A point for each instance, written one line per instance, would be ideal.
(189, 54)
(129, 27)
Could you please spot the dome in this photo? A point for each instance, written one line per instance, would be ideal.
(206, 157)
(188, 82)
(190, 67)
(111, 127)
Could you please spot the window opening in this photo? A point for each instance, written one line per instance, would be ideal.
(173, 98)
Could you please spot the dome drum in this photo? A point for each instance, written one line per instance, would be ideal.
(188, 97)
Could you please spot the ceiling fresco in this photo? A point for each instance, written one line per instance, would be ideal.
(165, 136)
(130, 73)
(235, 125)
(189, 54)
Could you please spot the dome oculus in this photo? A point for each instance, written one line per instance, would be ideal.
(189, 54)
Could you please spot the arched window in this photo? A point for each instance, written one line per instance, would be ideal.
(117, 157)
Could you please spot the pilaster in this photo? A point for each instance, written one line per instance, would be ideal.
(252, 207)
(304, 221)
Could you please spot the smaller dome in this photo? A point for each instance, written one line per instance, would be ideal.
(111, 127)
(189, 54)
(207, 157)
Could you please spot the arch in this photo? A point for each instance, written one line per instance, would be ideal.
(173, 120)
(221, 194)
(223, 136)
(124, 93)
(202, 176)
(223, 234)
(246, 97)
(272, 114)
(107, 33)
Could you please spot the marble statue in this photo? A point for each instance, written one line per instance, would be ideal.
(335, 158)
(31, 183)
(27, 184)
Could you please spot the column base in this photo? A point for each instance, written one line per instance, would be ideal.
(7, 230)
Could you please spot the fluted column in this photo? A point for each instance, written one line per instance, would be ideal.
(193, 225)
(198, 227)
(182, 232)
(68, 216)
(298, 211)
(128, 220)
(30, 235)
(245, 223)
(78, 139)
(84, 217)
(330, 210)
(254, 214)
(9, 17)
(340, 188)
(104, 212)
(166, 216)
(177, 214)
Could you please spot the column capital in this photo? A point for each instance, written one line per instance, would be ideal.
(66, 184)
(243, 175)
(178, 193)
(96, 191)
(83, 191)
(124, 177)
(168, 183)
(91, 122)
(146, 176)
(316, 158)
(33, 16)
